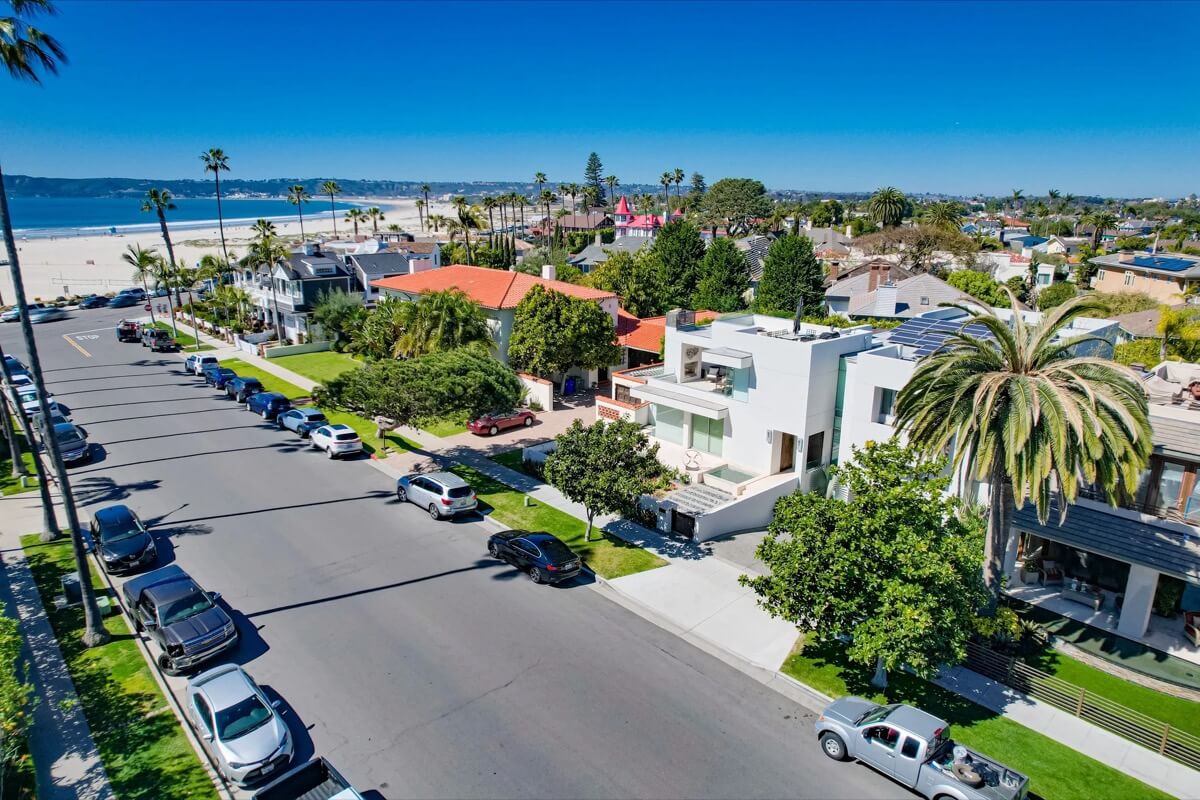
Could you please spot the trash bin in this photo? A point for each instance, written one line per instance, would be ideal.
(71, 591)
(569, 386)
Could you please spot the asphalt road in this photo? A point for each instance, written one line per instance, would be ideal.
(419, 666)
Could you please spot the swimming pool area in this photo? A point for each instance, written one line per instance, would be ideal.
(728, 479)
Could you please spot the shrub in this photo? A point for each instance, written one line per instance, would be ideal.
(1055, 295)
(1139, 351)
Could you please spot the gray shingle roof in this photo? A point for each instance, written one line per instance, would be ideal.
(595, 253)
(386, 263)
(755, 248)
(1179, 437)
(914, 295)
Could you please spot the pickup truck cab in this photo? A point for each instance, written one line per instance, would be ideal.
(183, 620)
(914, 748)
(315, 780)
(159, 341)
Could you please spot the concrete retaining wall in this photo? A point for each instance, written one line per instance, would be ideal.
(295, 349)
(538, 391)
(746, 513)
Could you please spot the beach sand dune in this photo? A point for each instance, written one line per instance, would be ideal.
(87, 264)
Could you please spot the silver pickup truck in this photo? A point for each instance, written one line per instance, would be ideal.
(914, 748)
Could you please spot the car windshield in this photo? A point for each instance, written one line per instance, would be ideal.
(241, 718)
(459, 491)
(69, 437)
(345, 436)
(120, 531)
(315, 418)
(875, 715)
(190, 606)
(556, 552)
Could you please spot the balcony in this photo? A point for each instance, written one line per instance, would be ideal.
(1170, 513)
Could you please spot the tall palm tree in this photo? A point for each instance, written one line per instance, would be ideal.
(268, 250)
(1053, 194)
(666, 179)
(489, 205)
(26, 50)
(425, 194)
(355, 216)
(160, 202)
(1028, 416)
(298, 196)
(546, 198)
(216, 162)
(376, 216)
(943, 214)
(573, 190)
(468, 219)
(678, 176)
(1017, 194)
(1100, 221)
(886, 206)
(420, 204)
(332, 189)
(437, 221)
(147, 265)
(613, 183)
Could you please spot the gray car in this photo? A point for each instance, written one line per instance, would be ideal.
(442, 494)
(72, 442)
(238, 725)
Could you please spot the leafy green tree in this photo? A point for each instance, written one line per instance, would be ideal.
(791, 271)
(1180, 332)
(679, 249)
(605, 467)
(980, 286)
(821, 217)
(699, 187)
(724, 278)
(1055, 295)
(1029, 417)
(553, 332)
(633, 278)
(886, 206)
(895, 568)
(1117, 303)
(593, 175)
(464, 381)
(1019, 287)
(17, 697)
(861, 226)
(734, 201)
(435, 322)
(339, 313)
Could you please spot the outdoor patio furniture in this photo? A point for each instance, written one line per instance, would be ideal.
(1191, 627)
(1052, 574)
(1084, 594)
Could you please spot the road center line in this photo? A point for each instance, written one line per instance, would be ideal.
(76, 345)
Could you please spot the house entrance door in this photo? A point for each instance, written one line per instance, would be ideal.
(683, 524)
(787, 452)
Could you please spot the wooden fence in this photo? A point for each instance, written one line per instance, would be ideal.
(1133, 725)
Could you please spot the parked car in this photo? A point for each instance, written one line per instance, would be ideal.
(123, 301)
(28, 395)
(541, 556)
(128, 331)
(146, 331)
(50, 314)
(15, 364)
(72, 442)
(121, 540)
(491, 424)
(303, 421)
(914, 748)
(442, 494)
(238, 725)
(316, 778)
(240, 388)
(268, 404)
(136, 292)
(336, 440)
(93, 301)
(14, 313)
(57, 417)
(184, 620)
(20, 379)
(196, 362)
(160, 341)
(216, 375)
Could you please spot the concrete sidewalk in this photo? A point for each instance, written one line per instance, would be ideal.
(67, 761)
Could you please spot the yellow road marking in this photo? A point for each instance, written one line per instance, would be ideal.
(77, 346)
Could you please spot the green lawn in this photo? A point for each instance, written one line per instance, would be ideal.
(184, 341)
(364, 427)
(511, 459)
(145, 751)
(447, 426)
(9, 484)
(607, 555)
(320, 367)
(1056, 772)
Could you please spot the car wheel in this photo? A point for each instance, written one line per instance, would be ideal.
(266, 415)
(433, 512)
(528, 421)
(833, 746)
(312, 444)
(164, 663)
(492, 551)
(535, 575)
(401, 495)
(492, 431)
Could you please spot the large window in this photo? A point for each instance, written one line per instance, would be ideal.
(816, 446)
(707, 434)
(886, 406)
(1172, 489)
(668, 424)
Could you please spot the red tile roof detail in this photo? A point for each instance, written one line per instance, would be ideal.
(490, 288)
(623, 206)
(647, 221)
(646, 334)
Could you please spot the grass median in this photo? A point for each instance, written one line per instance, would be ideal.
(182, 339)
(1056, 772)
(146, 753)
(321, 366)
(606, 555)
(8, 483)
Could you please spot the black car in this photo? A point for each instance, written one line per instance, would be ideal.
(216, 375)
(183, 619)
(240, 389)
(123, 301)
(542, 556)
(121, 540)
(93, 301)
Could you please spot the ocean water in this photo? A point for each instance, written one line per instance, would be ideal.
(43, 217)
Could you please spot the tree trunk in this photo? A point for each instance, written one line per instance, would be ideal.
(149, 299)
(300, 211)
(587, 535)
(1000, 504)
(879, 680)
(333, 211)
(94, 632)
(220, 216)
(162, 224)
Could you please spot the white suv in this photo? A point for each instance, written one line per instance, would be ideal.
(336, 440)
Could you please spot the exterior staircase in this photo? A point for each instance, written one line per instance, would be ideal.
(696, 498)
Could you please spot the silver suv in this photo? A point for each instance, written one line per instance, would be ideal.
(442, 494)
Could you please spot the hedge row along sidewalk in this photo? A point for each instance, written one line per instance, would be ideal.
(145, 752)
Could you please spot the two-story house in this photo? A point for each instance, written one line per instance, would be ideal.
(284, 294)
(1164, 276)
(400, 258)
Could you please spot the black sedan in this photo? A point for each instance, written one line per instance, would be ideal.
(542, 556)
(94, 301)
(123, 301)
(121, 540)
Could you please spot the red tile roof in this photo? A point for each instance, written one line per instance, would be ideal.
(646, 334)
(490, 288)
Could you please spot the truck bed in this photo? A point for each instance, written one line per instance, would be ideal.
(316, 780)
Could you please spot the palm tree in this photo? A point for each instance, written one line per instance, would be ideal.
(376, 216)
(330, 188)
(468, 219)
(216, 162)
(160, 202)
(645, 203)
(1017, 194)
(943, 214)
(886, 206)
(613, 183)
(1100, 221)
(1179, 326)
(436, 221)
(420, 204)
(355, 216)
(1028, 416)
(26, 50)
(573, 190)
(545, 199)
(440, 321)
(298, 196)
(394, 227)
(1053, 194)
(147, 265)
(489, 205)
(678, 176)
(666, 179)
(425, 194)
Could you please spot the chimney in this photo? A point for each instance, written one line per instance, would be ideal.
(1126, 256)
(309, 248)
(549, 272)
(833, 271)
(876, 273)
(885, 300)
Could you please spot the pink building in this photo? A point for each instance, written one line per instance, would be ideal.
(644, 225)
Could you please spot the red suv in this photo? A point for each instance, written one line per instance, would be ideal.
(491, 424)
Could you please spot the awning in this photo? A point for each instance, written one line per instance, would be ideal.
(727, 357)
(712, 409)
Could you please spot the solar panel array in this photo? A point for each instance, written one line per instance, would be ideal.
(927, 335)
(1165, 263)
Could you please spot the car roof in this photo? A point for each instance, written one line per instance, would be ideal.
(272, 395)
(63, 427)
(538, 537)
(113, 515)
(310, 412)
(447, 479)
(914, 720)
(339, 427)
(224, 686)
(172, 590)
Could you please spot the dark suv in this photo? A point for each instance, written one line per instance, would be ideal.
(240, 389)
(183, 619)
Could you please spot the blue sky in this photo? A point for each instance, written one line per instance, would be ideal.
(1089, 98)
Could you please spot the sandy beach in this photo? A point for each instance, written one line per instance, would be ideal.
(87, 264)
